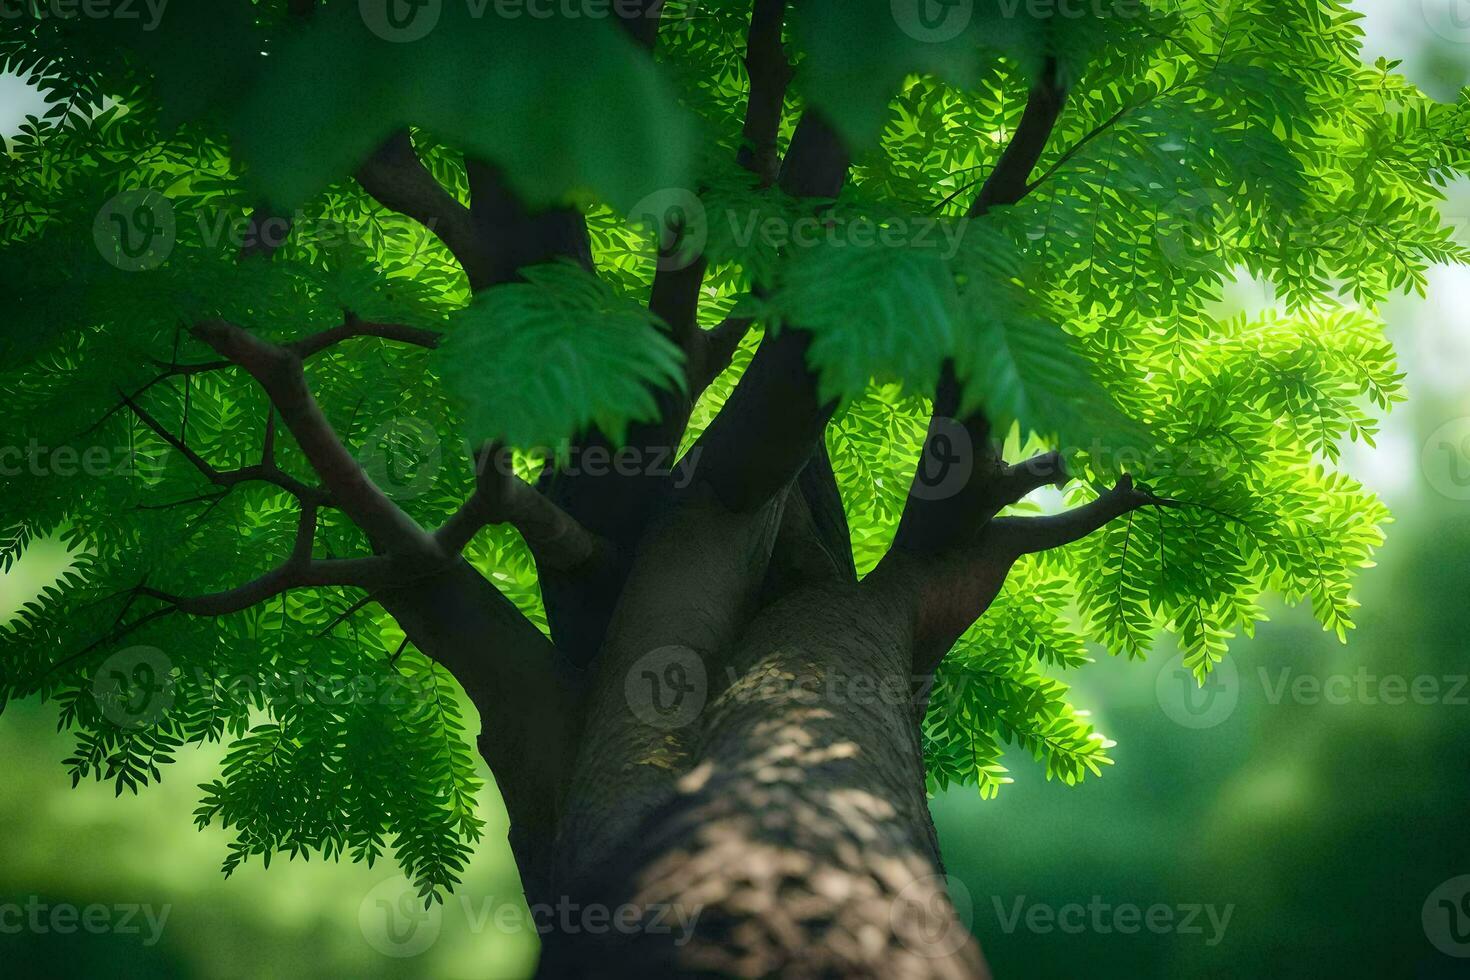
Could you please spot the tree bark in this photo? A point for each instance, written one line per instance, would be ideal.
(749, 786)
(794, 838)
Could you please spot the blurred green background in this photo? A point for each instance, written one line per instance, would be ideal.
(1313, 825)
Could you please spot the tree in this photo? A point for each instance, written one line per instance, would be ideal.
(675, 383)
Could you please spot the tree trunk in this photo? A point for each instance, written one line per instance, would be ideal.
(748, 797)
(798, 842)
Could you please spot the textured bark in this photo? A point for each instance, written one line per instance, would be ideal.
(780, 815)
(791, 825)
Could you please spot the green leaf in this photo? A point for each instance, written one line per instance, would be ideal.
(539, 362)
(874, 311)
(470, 80)
(858, 52)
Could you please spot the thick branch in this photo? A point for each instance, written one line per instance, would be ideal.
(814, 544)
(817, 161)
(961, 481)
(1008, 182)
(1016, 480)
(1027, 535)
(513, 236)
(555, 538)
(721, 343)
(707, 353)
(952, 587)
(770, 73)
(352, 327)
(675, 300)
(677, 288)
(526, 695)
(265, 233)
(768, 429)
(279, 371)
(396, 178)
